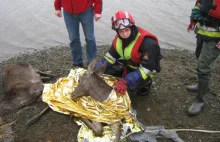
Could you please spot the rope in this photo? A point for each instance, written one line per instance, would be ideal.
(193, 130)
(179, 130)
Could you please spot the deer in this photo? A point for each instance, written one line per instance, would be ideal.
(91, 84)
(22, 85)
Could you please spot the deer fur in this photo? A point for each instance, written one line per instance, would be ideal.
(90, 83)
(22, 86)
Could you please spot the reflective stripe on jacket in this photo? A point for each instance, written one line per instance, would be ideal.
(208, 31)
(211, 7)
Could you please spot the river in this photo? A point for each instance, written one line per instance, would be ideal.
(30, 25)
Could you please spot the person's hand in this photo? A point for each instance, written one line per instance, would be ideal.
(191, 26)
(218, 45)
(97, 17)
(58, 13)
(121, 86)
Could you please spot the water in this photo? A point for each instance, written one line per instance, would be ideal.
(27, 26)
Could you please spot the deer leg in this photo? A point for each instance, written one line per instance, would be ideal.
(95, 126)
(45, 76)
(117, 130)
(45, 73)
(35, 118)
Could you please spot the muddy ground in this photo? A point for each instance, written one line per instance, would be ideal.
(166, 105)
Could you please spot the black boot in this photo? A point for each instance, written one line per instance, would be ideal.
(198, 104)
(142, 88)
(145, 90)
(192, 88)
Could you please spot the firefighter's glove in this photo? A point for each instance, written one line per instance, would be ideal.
(129, 80)
(121, 86)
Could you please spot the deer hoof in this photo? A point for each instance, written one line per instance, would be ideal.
(98, 131)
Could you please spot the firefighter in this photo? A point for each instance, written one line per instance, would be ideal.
(206, 16)
(192, 27)
(134, 56)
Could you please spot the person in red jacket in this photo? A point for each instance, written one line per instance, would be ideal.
(133, 56)
(78, 12)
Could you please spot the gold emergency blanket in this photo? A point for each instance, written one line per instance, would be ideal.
(58, 97)
(129, 126)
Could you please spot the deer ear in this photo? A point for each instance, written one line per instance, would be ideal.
(101, 70)
(92, 66)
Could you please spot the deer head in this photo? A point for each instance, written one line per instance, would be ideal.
(91, 84)
(22, 86)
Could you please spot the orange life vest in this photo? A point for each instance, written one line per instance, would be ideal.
(211, 7)
(134, 54)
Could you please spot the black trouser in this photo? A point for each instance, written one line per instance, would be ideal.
(140, 88)
(199, 43)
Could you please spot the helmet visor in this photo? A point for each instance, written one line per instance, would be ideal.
(121, 24)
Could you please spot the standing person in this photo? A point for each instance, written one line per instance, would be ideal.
(192, 27)
(76, 12)
(134, 55)
(207, 15)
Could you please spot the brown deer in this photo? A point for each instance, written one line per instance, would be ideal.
(90, 83)
(22, 85)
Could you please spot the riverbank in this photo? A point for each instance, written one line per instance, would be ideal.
(166, 104)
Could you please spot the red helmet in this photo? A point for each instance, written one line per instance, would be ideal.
(121, 20)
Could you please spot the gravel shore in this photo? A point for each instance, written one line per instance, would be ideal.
(165, 105)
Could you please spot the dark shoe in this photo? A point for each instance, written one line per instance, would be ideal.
(142, 92)
(192, 88)
(77, 65)
(146, 89)
(196, 107)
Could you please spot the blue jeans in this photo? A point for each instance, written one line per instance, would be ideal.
(72, 22)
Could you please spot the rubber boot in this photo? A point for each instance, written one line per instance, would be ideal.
(192, 88)
(198, 104)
